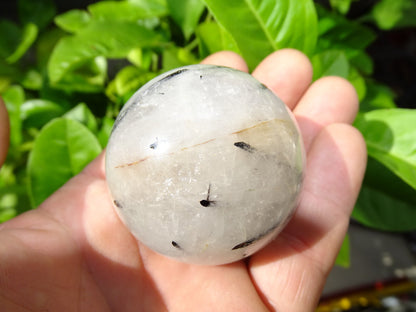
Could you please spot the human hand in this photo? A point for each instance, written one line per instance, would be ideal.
(74, 254)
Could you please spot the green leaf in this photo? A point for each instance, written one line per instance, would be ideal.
(330, 63)
(8, 198)
(6, 213)
(343, 258)
(13, 190)
(186, 14)
(73, 20)
(131, 78)
(8, 74)
(83, 114)
(127, 81)
(385, 202)
(342, 6)
(358, 82)
(10, 36)
(30, 32)
(127, 11)
(176, 57)
(142, 58)
(105, 131)
(14, 98)
(377, 96)
(363, 62)
(38, 112)
(89, 76)
(151, 5)
(32, 80)
(213, 38)
(4, 83)
(389, 14)
(46, 44)
(338, 33)
(7, 177)
(39, 12)
(112, 39)
(390, 137)
(261, 27)
(67, 99)
(61, 150)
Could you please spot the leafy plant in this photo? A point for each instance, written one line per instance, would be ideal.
(65, 77)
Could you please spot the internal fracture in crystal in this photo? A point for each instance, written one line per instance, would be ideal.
(205, 164)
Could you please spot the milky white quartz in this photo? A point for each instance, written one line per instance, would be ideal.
(204, 164)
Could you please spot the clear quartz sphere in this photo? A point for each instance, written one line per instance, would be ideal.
(205, 164)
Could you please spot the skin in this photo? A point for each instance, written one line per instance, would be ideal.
(74, 254)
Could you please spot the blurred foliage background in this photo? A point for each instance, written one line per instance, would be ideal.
(67, 67)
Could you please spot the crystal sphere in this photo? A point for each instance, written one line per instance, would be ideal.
(205, 164)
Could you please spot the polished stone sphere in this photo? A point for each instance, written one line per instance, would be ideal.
(205, 164)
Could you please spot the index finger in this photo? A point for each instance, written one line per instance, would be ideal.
(288, 73)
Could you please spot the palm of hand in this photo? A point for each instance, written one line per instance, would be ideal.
(74, 254)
